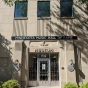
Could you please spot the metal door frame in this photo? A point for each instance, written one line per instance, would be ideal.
(38, 65)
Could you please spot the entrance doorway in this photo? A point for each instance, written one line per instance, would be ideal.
(43, 71)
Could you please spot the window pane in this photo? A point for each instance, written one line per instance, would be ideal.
(43, 9)
(33, 67)
(54, 67)
(20, 9)
(66, 8)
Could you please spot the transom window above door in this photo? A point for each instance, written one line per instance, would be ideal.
(43, 9)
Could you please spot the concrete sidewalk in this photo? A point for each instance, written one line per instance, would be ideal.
(45, 87)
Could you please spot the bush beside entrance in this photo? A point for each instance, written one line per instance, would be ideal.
(1, 84)
(84, 85)
(72, 85)
(10, 84)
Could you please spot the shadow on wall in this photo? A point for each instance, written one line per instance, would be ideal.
(6, 63)
(78, 68)
(77, 26)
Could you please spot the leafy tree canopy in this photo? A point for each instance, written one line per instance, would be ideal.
(10, 2)
(83, 1)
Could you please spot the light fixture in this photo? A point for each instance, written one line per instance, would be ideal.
(54, 56)
(71, 61)
(16, 65)
(34, 57)
(16, 61)
(71, 66)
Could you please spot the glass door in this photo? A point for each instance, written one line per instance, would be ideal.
(43, 72)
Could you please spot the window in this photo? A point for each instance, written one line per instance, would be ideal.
(66, 7)
(20, 9)
(54, 67)
(43, 9)
(33, 67)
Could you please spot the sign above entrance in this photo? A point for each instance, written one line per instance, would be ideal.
(44, 37)
(43, 55)
(44, 50)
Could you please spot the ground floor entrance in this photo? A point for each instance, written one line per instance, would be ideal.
(44, 69)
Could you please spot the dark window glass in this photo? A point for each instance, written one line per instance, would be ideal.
(44, 70)
(43, 9)
(54, 67)
(66, 7)
(32, 67)
(20, 9)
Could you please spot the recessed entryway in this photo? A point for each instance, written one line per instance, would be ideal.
(44, 69)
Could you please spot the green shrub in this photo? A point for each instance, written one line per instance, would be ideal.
(11, 84)
(70, 85)
(1, 84)
(84, 85)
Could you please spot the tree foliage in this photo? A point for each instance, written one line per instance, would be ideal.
(82, 1)
(10, 2)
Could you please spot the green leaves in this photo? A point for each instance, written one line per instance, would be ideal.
(82, 1)
(84, 85)
(11, 84)
(1, 84)
(9, 2)
(70, 85)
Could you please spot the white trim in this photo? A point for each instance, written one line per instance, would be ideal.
(65, 61)
(59, 55)
(20, 18)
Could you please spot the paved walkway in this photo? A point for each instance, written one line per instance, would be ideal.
(45, 87)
